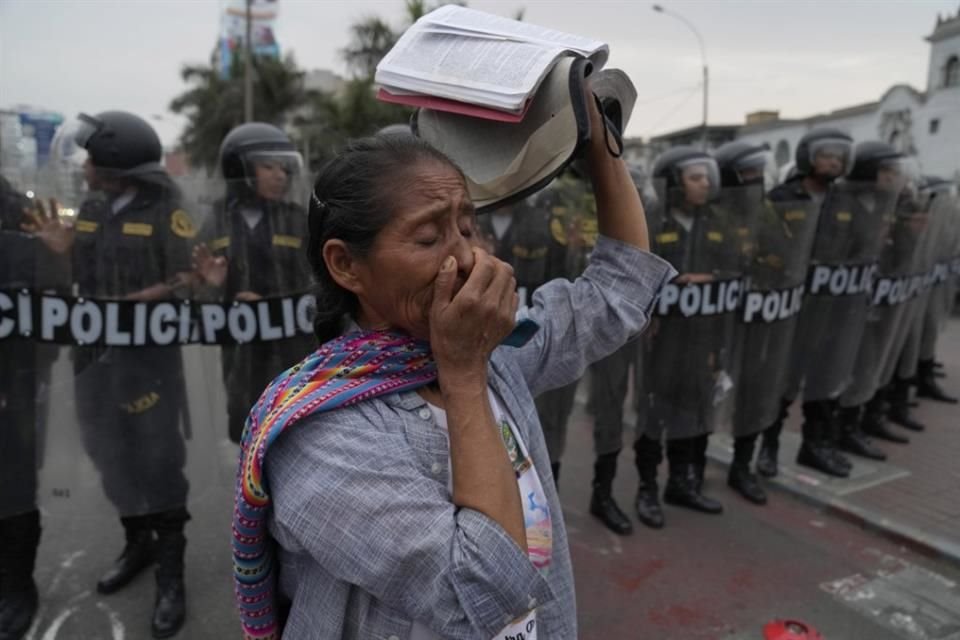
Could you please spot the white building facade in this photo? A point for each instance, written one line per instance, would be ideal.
(923, 124)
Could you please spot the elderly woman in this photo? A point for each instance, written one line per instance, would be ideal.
(410, 493)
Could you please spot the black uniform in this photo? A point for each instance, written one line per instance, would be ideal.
(269, 260)
(134, 437)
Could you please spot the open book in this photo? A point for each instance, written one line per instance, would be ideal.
(471, 62)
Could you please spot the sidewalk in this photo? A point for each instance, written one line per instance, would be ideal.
(914, 496)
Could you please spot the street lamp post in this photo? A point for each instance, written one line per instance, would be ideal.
(703, 61)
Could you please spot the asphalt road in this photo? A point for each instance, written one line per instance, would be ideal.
(700, 577)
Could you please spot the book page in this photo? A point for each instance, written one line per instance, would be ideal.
(489, 65)
(469, 20)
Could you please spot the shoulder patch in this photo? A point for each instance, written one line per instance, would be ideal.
(558, 232)
(668, 237)
(86, 226)
(181, 224)
(220, 243)
(137, 229)
(844, 216)
(292, 242)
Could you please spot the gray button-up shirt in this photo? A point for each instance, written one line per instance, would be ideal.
(370, 539)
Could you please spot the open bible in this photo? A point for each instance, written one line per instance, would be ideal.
(477, 64)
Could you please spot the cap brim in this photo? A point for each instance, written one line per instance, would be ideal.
(503, 161)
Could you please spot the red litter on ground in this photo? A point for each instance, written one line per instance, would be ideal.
(790, 630)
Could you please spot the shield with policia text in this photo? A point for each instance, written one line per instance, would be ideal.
(898, 281)
(690, 355)
(776, 275)
(852, 226)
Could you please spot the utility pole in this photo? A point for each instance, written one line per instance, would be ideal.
(248, 67)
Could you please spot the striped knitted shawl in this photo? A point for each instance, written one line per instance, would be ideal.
(347, 370)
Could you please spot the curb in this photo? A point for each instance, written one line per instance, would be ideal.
(932, 546)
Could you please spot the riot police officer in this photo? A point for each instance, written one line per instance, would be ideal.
(877, 180)
(21, 260)
(687, 353)
(776, 246)
(822, 156)
(132, 242)
(253, 246)
(571, 224)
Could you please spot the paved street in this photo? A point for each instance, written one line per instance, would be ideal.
(700, 577)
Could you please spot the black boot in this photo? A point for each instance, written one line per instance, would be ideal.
(815, 448)
(137, 555)
(681, 489)
(874, 425)
(852, 439)
(700, 461)
(649, 455)
(770, 445)
(898, 395)
(19, 539)
(927, 385)
(602, 504)
(170, 609)
(832, 432)
(739, 478)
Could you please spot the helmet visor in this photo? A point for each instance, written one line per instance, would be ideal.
(86, 128)
(698, 180)
(832, 157)
(272, 173)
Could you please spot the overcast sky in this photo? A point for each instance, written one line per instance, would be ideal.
(799, 57)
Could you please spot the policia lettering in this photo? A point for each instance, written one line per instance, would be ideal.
(700, 299)
(117, 323)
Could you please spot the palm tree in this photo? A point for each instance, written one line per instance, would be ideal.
(214, 105)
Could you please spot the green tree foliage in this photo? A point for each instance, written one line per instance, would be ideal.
(213, 105)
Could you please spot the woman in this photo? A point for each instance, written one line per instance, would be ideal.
(394, 502)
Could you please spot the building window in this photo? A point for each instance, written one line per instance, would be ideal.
(782, 154)
(951, 72)
(934, 126)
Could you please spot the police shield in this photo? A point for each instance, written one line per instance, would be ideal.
(690, 352)
(852, 226)
(898, 281)
(943, 205)
(776, 272)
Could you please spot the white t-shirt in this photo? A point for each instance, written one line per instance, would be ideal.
(536, 514)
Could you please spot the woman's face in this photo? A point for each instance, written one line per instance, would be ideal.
(433, 219)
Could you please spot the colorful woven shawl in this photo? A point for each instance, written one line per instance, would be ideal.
(352, 368)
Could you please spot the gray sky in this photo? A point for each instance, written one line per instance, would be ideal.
(801, 57)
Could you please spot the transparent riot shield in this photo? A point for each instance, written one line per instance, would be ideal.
(852, 227)
(775, 275)
(691, 357)
(898, 281)
(546, 237)
(944, 206)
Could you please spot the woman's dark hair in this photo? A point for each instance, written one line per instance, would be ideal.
(353, 199)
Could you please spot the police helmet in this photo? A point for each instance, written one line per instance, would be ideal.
(249, 143)
(120, 143)
(871, 157)
(824, 140)
(670, 166)
(743, 163)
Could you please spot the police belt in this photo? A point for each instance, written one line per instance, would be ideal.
(122, 323)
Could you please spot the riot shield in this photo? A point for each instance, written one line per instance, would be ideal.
(898, 281)
(853, 225)
(944, 207)
(690, 351)
(775, 276)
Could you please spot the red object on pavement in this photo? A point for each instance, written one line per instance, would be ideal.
(790, 630)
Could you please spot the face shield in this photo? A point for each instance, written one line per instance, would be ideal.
(274, 175)
(698, 180)
(66, 166)
(894, 174)
(757, 168)
(831, 157)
